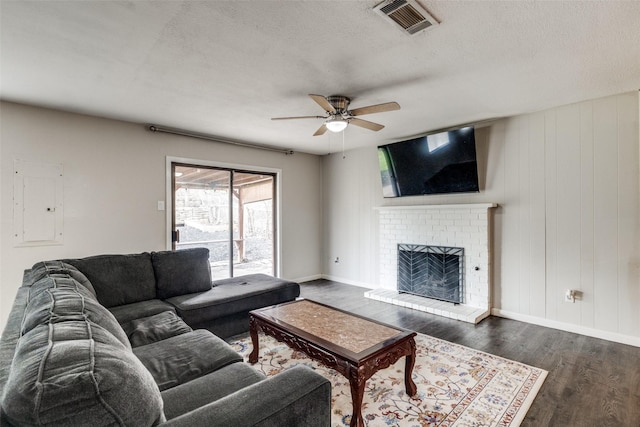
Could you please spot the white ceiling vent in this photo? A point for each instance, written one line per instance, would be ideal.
(408, 15)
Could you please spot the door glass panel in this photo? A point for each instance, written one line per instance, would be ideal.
(253, 228)
(202, 214)
(228, 212)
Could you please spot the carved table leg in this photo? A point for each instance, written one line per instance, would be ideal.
(357, 383)
(410, 386)
(253, 331)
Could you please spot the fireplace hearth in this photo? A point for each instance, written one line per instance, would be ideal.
(431, 271)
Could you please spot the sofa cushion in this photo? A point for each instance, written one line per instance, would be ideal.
(184, 357)
(137, 310)
(234, 295)
(181, 272)
(119, 279)
(295, 397)
(57, 268)
(71, 372)
(59, 299)
(208, 388)
(155, 328)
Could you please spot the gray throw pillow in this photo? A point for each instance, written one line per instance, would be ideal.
(181, 272)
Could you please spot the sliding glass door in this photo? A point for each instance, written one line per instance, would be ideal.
(230, 212)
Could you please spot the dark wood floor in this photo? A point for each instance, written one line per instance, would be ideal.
(591, 382)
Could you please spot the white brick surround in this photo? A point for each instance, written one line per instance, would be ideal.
(465, 226)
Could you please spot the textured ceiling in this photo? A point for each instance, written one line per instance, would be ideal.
(224, 68)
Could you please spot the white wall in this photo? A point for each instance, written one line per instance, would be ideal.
(115, 175)
(568, 184)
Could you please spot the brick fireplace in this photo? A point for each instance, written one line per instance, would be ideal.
(465, 226)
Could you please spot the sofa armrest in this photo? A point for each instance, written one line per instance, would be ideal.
(296, 397)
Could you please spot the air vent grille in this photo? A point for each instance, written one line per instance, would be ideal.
(406, 17)
(410, 16)
(389, 7)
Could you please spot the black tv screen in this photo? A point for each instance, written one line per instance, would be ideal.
(434, 164)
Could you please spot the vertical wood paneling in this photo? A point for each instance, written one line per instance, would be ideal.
(496, 178)
(587, 244)
(570, 214)
(351, 204)
(628, 214)
(605, 211)
(511, 213)
(568, 209)
(490, 148)
(367, 167)
(551, 209)
(580, 228)
(337, 224)
(537, 221)
(524, 217)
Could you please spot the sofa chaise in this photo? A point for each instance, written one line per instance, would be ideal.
(126, 340)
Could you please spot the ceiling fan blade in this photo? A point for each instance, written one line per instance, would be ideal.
(365, 124)
(298, 117)
(322, 101)
(379, 108)
(321, 130)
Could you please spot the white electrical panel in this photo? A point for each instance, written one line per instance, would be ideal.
(37, 203)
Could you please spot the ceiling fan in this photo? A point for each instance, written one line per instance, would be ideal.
(338, 116)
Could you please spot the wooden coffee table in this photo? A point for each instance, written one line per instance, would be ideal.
(355, 346)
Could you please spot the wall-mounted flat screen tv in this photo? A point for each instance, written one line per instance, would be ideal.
(434, 164)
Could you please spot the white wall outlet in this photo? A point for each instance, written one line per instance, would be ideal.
(337, 260)
(570, 295)
(160, 205)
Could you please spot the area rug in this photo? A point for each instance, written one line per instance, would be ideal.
(457, 386)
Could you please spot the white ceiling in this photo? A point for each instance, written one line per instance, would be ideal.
(224, 68)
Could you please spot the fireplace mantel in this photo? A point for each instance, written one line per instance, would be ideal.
(454, 225)
(439, 207)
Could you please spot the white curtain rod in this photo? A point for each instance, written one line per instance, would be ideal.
(155, 128)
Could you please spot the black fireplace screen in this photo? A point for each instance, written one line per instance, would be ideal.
(431, 271)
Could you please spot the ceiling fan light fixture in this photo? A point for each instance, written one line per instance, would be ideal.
(337, 116)
(336, 125)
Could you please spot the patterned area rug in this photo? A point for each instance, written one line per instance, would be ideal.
(457, 386)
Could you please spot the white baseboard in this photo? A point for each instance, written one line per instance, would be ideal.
(347, 281)
(308, 278)
(568, 327)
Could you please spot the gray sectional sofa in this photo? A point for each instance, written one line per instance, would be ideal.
(126, 340)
